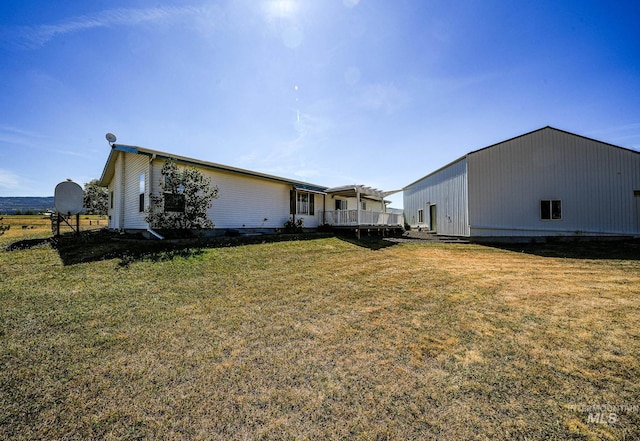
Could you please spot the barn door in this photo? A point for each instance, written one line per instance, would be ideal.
(636, 194)
(432, 218)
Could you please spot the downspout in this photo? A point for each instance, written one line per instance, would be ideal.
(150, 183)
(155, 233)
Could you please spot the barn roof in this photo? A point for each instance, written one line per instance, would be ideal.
(557, 130)
(463, 157)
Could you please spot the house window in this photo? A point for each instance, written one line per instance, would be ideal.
(174, 202)
(420, 216)
(550, 210)
(305, 203)
(141, 191)
(111, 199)
(341, 204)
(363, 205)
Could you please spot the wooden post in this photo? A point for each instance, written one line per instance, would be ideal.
(358, 207)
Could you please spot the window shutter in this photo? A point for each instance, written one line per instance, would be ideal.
(292, 202)
(312, 200)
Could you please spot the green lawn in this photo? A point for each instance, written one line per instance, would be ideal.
(317, 339)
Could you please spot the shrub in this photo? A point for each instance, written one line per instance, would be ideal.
(294, 226)
(186, 195)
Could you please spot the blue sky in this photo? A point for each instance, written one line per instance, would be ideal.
(332, 92)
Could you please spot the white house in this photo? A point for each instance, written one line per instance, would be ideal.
(247, 200)
(544, 183)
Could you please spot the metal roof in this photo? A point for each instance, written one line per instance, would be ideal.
(108, 171)
(511, 139)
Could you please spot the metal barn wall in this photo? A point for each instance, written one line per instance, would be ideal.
(247, 202)
(447, 189)
(594, 181)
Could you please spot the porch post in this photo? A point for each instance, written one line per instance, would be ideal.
(358, 204)
(324, 209)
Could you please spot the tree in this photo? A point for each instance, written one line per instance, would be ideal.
(186, 195)
(96, 198)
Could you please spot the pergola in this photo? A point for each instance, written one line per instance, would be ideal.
(361, 218)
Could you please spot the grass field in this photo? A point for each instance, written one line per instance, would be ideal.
(20, 226)
(317, 339)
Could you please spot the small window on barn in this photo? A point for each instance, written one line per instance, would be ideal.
(551, 210)
(420, 216)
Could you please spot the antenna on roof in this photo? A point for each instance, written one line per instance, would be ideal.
(111, 138)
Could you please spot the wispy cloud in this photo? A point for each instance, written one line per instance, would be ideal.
(33, 37)
(383, 97)
(9, 180)
(12, 136)
(289, 157)
(18, 137)
(626, 135)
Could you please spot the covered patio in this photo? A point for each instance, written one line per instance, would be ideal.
(359, 207)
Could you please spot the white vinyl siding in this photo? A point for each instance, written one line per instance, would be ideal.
(115, 211)
(135, 166)
(247, 202)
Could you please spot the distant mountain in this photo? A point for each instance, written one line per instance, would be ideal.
(11, 205)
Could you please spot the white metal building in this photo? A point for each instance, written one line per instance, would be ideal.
(544, 183)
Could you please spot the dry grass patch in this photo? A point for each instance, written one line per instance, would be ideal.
(318, 339)
(25, 227)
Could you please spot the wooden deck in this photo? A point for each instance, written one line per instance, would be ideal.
(361, 218)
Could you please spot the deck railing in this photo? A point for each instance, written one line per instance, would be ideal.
(344, 218)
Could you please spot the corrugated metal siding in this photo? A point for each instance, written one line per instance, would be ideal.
(135, 165)
(594, 181)
(447, 189)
